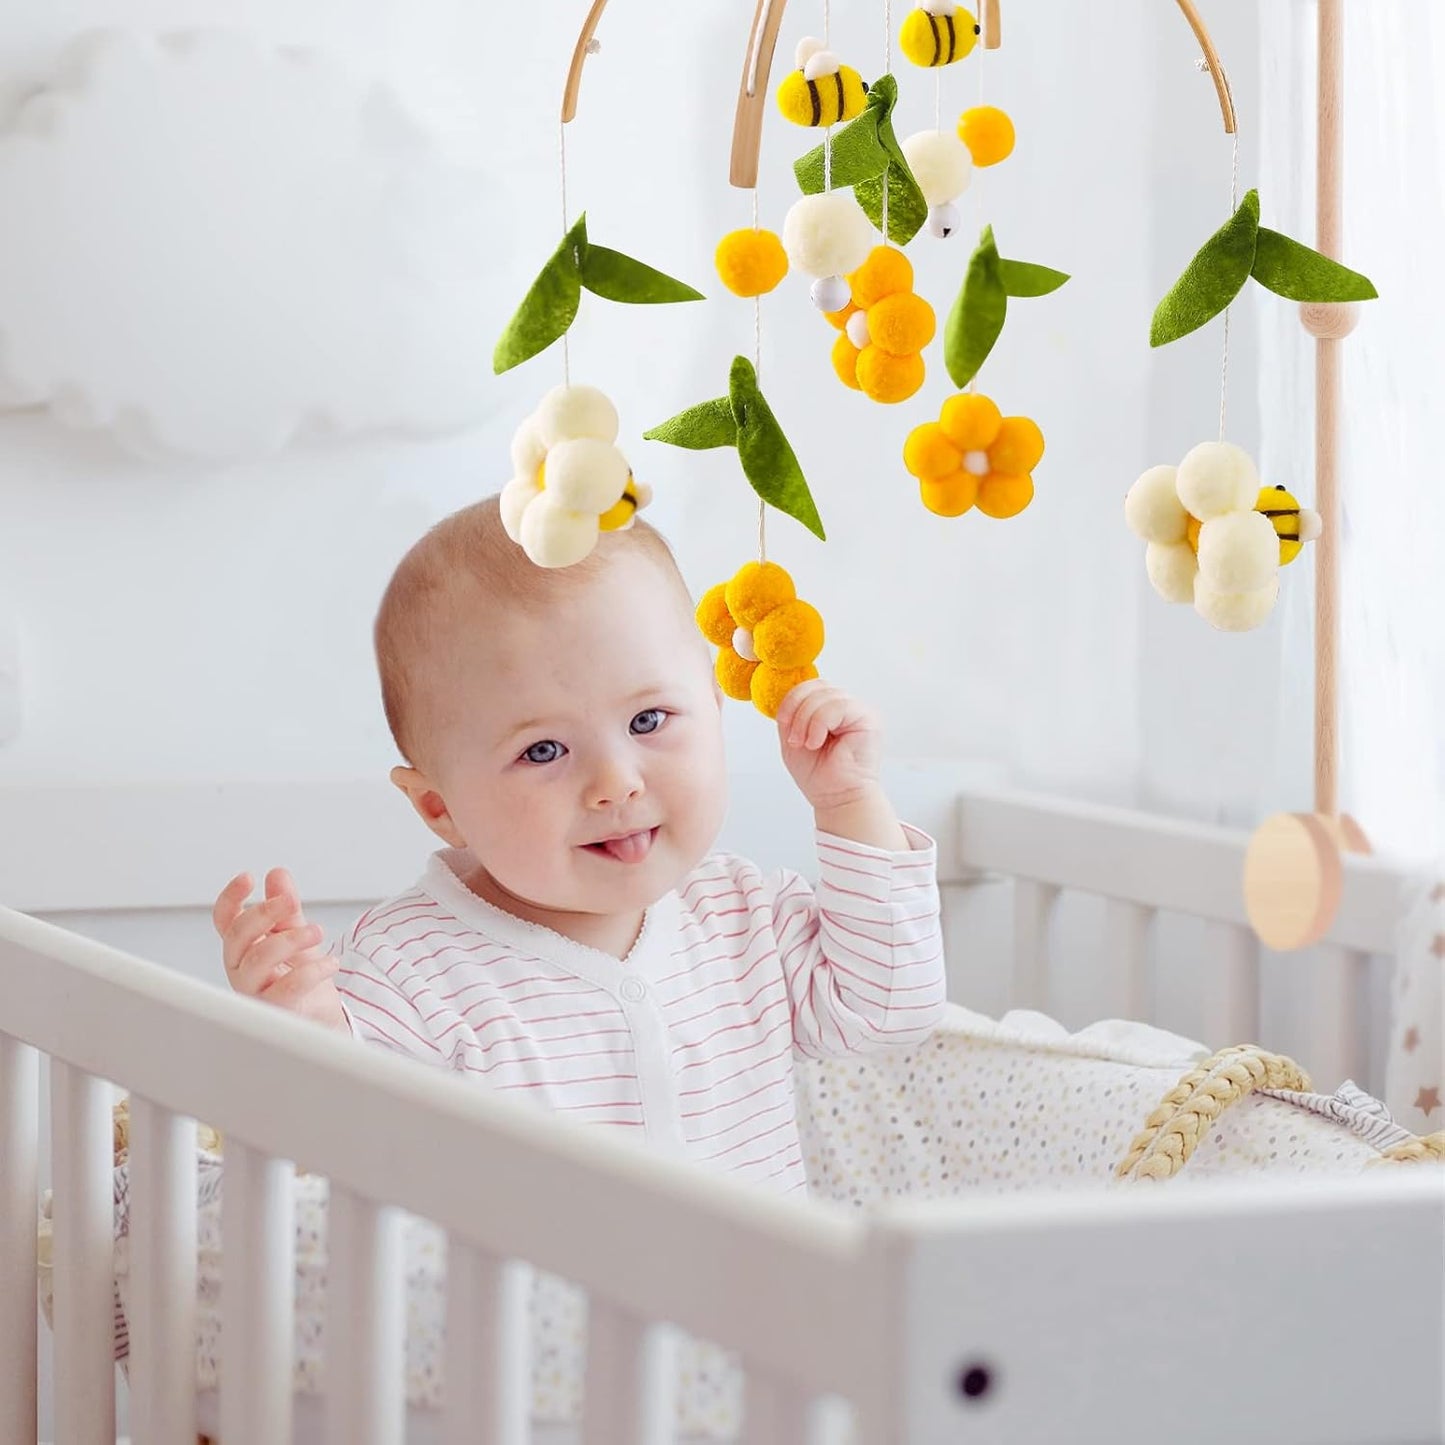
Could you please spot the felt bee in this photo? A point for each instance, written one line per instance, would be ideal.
(821, 91)
(618, 517)
(938, 32)
(1295, 525)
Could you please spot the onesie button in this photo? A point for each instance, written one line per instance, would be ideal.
(633, 990)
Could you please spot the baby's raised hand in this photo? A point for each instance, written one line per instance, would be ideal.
(833, 747)
(271, 952)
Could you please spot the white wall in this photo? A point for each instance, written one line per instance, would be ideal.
(182, 623)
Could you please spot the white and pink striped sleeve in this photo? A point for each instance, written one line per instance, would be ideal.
(380, 1012)
(862, 955)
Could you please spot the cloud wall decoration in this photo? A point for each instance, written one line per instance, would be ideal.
(212, 246)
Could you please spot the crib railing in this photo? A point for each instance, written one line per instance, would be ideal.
(1145, 866)
(648, 1238)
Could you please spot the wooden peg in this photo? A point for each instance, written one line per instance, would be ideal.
(579, 59)
(753, 93)
(992, 29)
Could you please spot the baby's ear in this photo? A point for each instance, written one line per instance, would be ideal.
(430, 806)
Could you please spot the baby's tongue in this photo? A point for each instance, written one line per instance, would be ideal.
(631, 849)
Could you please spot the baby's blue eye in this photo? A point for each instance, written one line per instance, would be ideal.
(544, 752)
(649, 720)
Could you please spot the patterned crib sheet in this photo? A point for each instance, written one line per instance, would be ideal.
(983, 1106)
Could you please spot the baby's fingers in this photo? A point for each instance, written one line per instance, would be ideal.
(280, 885)
(229, 902)
(291, 988)
(260, 964)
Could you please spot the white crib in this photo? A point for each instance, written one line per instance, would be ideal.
(1286, 1313)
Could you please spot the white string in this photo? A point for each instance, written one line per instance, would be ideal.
(562, 166)
(758, 370)
(762, 530)
(938, 97)
(1224, 362)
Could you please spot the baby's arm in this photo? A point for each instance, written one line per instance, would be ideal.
(863, 956)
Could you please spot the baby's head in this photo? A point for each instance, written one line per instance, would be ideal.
(562, 724)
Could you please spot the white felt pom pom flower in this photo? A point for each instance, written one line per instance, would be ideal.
(570, 482)
(1216, 537)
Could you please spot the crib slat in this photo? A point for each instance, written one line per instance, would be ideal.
(258, 1267)
(365, 1324)
(19, 1185)
(1337, 1018)
(1033, 908)
(488, 1391)
(81, 1154)
(778, 1412)
(162, 1316)
(629, 1391)
(1126, 948)
(1231, 991)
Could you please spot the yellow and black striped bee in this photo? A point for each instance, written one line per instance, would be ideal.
(618, 517)
(821, 91)
(938, 32)
(1295, 525)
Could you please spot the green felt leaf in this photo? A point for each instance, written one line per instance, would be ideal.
(768, 461)
(549, 307)
(858, 154)
(1024, 278)
(978, 314)
(1212, 279)
(1290, 269)
(907, 209)
(708, 424)
(620, 278)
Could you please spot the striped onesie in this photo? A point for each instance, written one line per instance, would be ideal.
(689, 1041)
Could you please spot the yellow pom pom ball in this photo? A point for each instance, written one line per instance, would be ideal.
(714, 620)
(971, 421)
(789, 636)
(749, 262)
(772, 684)
(845, 361)
(735, 676)
(757, 588)
(902, 324)
(886, 272)
(928, 453)
(951, 495)
(1018, 447)
(888, 378)
(1000, 495)
(988, 133)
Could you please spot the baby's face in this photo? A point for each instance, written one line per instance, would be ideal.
(578, 746)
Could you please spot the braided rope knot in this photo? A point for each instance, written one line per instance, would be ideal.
(1189, 1110)
(1426, 1149)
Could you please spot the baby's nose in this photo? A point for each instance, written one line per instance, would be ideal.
(616, 783)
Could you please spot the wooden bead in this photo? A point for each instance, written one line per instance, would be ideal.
(1329, 320)
(1292, 880)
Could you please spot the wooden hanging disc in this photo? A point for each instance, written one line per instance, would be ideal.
(1292, 879)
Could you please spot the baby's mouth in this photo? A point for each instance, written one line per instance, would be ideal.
(627, 848)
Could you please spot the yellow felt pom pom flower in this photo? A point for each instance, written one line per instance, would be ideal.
(569, 482)
(750, 262)
(768, 639)
(885, 327)
(988, 133)
(937, 32)
(974, 456)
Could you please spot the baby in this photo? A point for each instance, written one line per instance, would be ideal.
(574, 943)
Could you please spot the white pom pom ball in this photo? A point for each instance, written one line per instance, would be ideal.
(554, 536)
(1238, 552)
(1172, 569)
(1235, 611)
(516, 497)
(528, 451)
(857, 329)
(1152, 509)
(827, 235)
(944, 220)
(567, 412)
(1215, 478)
(585, 475)
(941, 164)
(808, 47)
(819, 64)
(831, 293)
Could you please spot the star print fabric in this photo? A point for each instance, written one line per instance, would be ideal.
(1415, 1081)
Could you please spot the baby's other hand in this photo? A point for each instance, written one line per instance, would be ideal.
(271, 952)
(832, 744)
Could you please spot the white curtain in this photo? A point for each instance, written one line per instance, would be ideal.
(1393, 571)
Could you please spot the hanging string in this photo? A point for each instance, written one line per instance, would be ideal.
(757, 308)
(828, 131)
(1224, 362)
(938, 97)
(562, 167)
